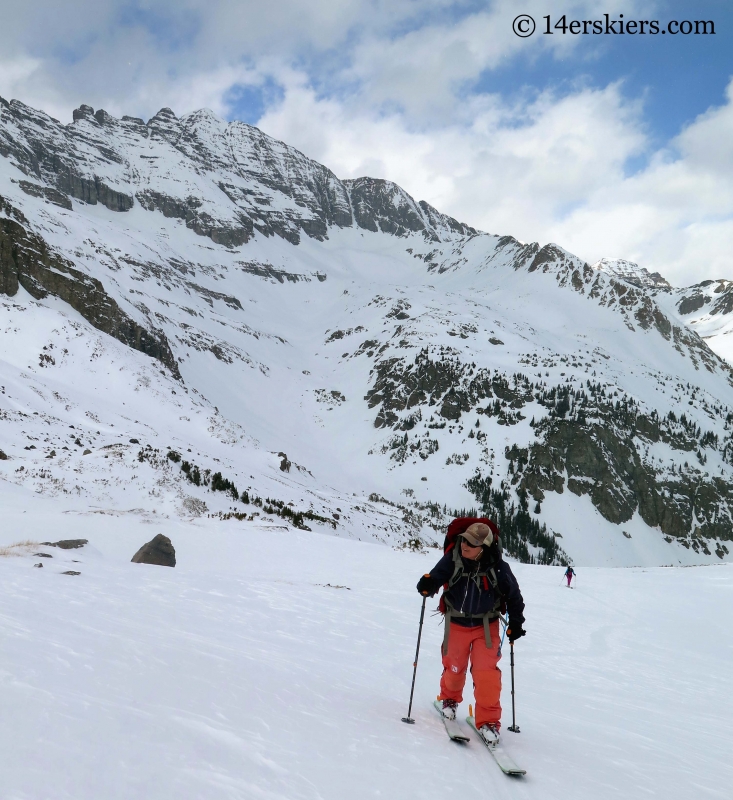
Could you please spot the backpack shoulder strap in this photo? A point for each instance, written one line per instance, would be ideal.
(493, 579)
(457, 567)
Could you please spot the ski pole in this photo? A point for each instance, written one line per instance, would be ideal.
(514, 728)
(408, 719)
(501, 643)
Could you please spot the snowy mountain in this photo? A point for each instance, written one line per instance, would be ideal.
(706, 307)
(218, 316)
(631, 273)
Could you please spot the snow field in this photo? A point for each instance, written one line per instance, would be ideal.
(242, 674)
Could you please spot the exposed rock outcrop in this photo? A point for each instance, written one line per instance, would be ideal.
(47, 193)
(381, 205)
(587, 444)
(198, 221)
(600, 449)
(66, 544)
(632, 273)
(53, 154)
(27, 261)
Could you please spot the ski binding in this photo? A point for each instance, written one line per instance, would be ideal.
(452, 728)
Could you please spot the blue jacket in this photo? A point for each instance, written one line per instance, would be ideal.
(471, 597)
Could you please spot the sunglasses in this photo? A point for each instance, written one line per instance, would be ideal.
(465, 542)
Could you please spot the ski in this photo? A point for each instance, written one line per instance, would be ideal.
(506, 764)
(452, 728)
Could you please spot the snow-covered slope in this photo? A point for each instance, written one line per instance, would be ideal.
(103, 430)
(706, 307)
(277, 664)
(345, 342)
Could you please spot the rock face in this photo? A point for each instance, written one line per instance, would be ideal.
(383, 206)
(599, 448)
(632, 273)
(66, 544)
(224, 180)
(158, 551)
(41, 147)
(27, 261)
(716, 297)
(48, 193)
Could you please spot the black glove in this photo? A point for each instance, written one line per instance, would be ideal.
(427, 586)
(515, 631)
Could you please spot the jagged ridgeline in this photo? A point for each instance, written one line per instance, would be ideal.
(590, 438)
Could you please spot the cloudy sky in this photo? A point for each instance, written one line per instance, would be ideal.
(616, 145)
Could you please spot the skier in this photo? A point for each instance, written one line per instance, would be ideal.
(477, 583)
(569, 574)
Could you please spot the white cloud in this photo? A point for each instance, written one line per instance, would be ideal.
(425, 70)
(136, 54)
(22, 77)
(675, 216)
(550, 169)
(394, 101)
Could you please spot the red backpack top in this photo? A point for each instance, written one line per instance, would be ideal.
(460, 525)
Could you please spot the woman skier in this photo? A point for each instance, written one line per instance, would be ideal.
(478, 584)
(569, 574)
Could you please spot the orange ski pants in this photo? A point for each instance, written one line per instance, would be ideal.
(466, 644)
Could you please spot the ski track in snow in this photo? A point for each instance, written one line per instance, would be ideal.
(242, 674)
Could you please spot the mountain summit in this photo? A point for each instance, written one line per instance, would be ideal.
(631, 273)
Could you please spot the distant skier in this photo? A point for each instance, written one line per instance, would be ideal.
(477, 584)
(569, 574)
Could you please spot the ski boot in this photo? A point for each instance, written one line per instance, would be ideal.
(449, 709)
(490, 734)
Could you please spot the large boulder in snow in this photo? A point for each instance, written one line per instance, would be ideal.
(158, 551)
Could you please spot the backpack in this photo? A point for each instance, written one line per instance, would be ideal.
(455, 529)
